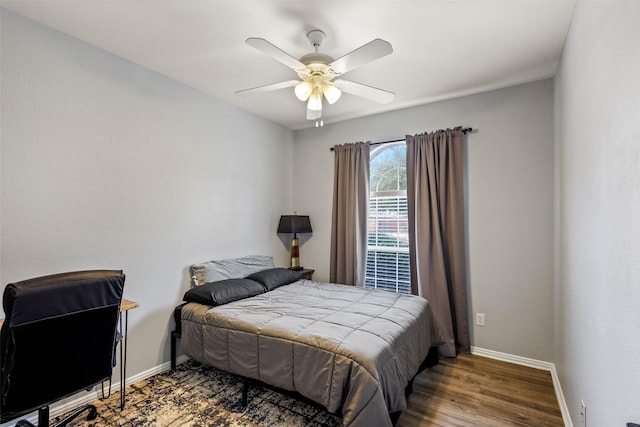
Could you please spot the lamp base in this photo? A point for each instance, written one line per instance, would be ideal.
(296, 268)
(295, 254)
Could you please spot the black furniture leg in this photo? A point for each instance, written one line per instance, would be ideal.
(432, 357)
(43, 417)
(409, 388)
(123, 359)
(395, 416)
(176, 333)
(245, 392)
(93, 413)
(174, 337)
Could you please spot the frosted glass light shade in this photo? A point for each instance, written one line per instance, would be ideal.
(303, 90)
(315, 101)
(331, 93)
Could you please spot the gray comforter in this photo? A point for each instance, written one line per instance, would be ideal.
(344, 347)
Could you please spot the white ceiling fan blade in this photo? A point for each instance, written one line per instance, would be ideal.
(313, 114)
(275, 52)
(267, 88)
(373, 50)
(364, 91)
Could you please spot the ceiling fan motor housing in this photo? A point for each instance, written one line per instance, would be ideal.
(316, 37)
(316, 57)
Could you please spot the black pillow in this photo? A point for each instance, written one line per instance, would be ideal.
(224, 291)
(275, 277)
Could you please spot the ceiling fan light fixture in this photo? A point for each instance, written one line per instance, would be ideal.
(315, 101)
(331, 93)
(316, 73)
(303, 90)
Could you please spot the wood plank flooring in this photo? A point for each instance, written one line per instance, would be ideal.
(472, 390)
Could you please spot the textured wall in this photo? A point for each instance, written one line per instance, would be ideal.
(597, 134)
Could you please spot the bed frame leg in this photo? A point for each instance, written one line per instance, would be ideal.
(394, 416)
(432, 358)
(409, 388)
(174, 337)
(245, 392)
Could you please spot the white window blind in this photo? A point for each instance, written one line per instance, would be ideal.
(387, 229)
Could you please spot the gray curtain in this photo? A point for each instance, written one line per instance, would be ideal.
(349, 218)
(435, 202)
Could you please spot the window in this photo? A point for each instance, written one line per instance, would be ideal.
(387, 228)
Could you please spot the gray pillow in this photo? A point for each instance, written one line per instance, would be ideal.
(275, 277)
(234, 268)
(224, 291)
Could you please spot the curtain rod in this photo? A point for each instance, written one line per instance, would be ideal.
(464, 131)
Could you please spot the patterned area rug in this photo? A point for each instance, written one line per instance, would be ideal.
(194, 395)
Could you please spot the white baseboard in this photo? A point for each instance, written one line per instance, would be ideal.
(532, 363)
(61, 408)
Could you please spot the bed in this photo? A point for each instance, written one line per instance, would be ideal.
(352, 350)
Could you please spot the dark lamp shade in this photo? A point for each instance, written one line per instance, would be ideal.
(294, 224)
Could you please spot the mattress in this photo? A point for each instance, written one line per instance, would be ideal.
(350, 349)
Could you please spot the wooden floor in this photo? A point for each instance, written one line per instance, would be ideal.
(476, 391)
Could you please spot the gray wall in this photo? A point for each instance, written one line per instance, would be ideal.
(106, 164)
(509, 204)
(597, 138)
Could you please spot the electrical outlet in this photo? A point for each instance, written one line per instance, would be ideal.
(480, 319)
(583, 413)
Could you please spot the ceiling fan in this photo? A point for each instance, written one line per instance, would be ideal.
(317, 72)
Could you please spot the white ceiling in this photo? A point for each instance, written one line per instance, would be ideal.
(441, 49)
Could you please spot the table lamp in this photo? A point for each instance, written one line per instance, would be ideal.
(294, 224)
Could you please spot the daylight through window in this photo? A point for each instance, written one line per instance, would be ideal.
(387, 228)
